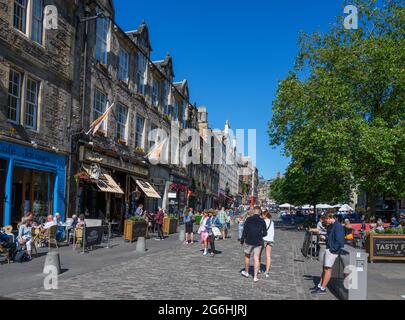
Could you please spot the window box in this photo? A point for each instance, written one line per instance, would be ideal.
(139, 151)
(140, 97)
(170, 225)
(102, 66)
(167, 118)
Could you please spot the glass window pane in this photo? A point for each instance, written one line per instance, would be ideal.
(20, 14)
(14, 96)
(37, 20)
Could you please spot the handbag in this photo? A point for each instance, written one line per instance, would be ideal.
(216, 232)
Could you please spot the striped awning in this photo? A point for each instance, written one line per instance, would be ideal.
(108, 184)
(147, 188)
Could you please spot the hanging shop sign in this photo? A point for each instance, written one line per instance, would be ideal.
(95, 171)
(89, 155)
(172, 195)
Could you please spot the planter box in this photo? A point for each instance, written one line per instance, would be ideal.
(133, 230)
(170, 226)
(389, 247)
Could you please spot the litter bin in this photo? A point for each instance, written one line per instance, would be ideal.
(349, 275)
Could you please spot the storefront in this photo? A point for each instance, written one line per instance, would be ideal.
(180, 186)
(159, 178)
(126, 187)
(31, 180)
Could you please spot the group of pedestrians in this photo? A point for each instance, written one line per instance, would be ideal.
(255, 233)
(257, 237)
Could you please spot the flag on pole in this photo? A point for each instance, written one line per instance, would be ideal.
(99, 121)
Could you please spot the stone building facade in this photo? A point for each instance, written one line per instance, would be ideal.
(38, 87)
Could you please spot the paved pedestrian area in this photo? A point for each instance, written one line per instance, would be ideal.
(181, 272)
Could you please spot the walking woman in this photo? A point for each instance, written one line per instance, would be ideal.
(241, 222)
(159, 224)
(268, 240)
(212, 222)
(203, 232)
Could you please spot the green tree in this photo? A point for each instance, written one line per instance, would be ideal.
(340, 113)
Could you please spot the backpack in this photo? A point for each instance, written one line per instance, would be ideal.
(20, 256)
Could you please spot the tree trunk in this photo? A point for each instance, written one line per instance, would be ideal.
(371, 204)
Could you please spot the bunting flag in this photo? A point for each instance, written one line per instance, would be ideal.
(99, 121)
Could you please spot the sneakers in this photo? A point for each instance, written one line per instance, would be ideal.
(319, 292)
(205, 252)
(255, 279)
(245, 274)
(267, 275)
(315, 288)
(185, 242)
(157, 239)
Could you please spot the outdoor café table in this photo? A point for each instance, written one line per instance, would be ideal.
(67, 228)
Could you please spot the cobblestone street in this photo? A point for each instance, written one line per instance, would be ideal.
(182, 272)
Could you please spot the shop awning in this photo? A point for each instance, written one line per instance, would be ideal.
(147, 188)
(109, 185)
(106, 183)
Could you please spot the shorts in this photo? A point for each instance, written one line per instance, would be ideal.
(268, 243)
(204, 236)
(189, 227)
(329, 259)
(224, 226)
(257, 250)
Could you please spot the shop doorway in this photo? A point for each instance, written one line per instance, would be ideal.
(3, 175)
(32, 191)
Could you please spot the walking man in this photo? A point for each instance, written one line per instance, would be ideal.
(335, 241)
(222, 220)
(159, 223)
(188, 221)
(254, 231)
(139, 210)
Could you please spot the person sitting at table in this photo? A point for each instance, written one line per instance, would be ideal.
(380, 226)
(60, 234)
(394, 223)
(24, 236)
(81, 222)
(320, 227)
(349, 233)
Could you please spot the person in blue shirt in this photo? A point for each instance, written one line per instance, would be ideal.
(394, 223)
(212, 222)
(335, 241)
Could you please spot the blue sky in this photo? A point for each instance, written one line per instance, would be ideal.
(233, 54)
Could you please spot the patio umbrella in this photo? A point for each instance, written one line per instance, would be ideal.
(307, 207)
(337, 206)
(346, 208)
(324, 206)
(286, 206)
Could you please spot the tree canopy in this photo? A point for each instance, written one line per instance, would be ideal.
(340, 113)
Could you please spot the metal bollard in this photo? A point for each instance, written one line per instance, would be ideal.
(141, 245)
(182, 235)
(52, 261)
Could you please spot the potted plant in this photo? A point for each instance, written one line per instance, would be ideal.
(134, 228)
(139, 150)
(170, 224)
